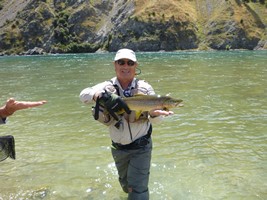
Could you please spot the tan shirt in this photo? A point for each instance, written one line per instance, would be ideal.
(128, 130)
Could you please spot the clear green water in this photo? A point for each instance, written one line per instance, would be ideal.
(215, 147)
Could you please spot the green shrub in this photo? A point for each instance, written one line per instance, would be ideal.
(80, 48)
(228, 47)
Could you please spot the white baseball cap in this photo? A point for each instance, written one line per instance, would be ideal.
(125, 53)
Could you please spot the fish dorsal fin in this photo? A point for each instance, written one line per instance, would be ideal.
(139, 95)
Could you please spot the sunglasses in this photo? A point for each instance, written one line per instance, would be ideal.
(129, 62)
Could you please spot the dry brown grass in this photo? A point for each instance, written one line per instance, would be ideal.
(183, 10)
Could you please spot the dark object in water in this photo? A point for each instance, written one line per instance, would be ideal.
(7, 147)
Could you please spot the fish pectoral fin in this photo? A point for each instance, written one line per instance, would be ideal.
(138, 114)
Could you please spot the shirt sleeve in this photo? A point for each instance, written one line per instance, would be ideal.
(145, 88)
(86, 95)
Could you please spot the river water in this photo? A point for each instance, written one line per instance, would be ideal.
(215, 147)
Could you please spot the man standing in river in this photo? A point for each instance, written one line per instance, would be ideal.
(129, 132)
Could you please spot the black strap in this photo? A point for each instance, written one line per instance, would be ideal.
(118, 89)
(96, 114)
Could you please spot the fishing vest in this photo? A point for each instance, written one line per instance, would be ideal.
(129, 92)
(101, 115)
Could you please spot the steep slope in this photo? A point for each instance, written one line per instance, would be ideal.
(87, 26)
(160, 25)
(231, 24)
(10, 9)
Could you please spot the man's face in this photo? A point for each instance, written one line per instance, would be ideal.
(125, 69)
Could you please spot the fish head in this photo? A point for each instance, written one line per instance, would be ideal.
(171, 102)
(177, 102)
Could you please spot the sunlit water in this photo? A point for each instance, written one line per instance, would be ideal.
(215, 147)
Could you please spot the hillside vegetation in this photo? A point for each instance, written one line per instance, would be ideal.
(73, 26)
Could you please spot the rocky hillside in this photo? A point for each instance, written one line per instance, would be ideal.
(73, 26)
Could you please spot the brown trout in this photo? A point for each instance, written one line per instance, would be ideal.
(151, 102)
